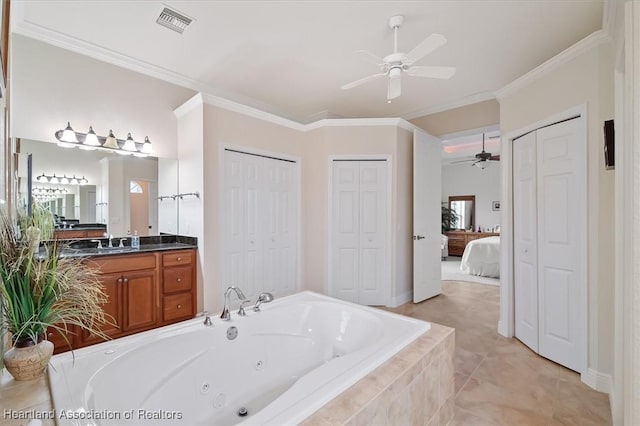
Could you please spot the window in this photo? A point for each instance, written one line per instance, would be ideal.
(135, 188)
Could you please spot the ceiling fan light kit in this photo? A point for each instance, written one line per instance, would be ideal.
(393, 65)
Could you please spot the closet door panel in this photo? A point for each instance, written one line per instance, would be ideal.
(562, 242)
(254, 277)
(234, 220)
(525, 240)
(373, 220)
(345, 240)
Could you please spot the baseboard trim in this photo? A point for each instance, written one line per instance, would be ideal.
(599, 381)
(401, 299)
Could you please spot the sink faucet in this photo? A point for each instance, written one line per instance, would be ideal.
(99, 243)
(110, 243)
(226, 315)
(263, 298)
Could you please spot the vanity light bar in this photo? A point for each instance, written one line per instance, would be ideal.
(69, 138)
(64, 179)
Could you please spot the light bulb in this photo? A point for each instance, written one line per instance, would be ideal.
(64, 180)
(130, 144)
(68, 135)
(91, 140)
(146, 146)
(111, 141)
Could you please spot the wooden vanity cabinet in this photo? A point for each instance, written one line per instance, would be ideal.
(112, 286)
(178, 285)
(144, 291)
(60, 344)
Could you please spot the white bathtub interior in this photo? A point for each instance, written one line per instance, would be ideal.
(287, 361)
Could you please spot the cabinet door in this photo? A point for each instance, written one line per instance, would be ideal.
(112, 285)
(60, 344)
(141, 300)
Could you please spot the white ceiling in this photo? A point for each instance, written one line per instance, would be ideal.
(291, 57)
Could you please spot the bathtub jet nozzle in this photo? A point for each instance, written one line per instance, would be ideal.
(242, 412)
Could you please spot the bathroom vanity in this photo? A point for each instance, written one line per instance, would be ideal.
(147, 288)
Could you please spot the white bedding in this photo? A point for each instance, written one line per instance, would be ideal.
(482, 257)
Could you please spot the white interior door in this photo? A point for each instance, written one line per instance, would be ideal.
(427, 187)
(562, 232)
(359, 269)
(260, 224)
(525, 237)
(549, 183)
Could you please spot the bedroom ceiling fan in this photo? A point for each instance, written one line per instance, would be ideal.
(481, 159)
(393, 65)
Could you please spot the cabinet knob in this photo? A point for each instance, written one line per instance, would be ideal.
(126, 280)
(179, 279)
(120, 280)
(49, 335)
(179, 306)
(179, 259)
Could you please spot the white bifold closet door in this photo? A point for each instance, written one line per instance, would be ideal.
(359, 270)
(550, 242)
(259, 224)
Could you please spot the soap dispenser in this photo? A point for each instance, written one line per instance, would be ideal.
(135, 240)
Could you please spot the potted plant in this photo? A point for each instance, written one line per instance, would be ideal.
(449, 218)
(40, 289)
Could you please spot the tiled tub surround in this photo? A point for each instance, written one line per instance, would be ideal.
(418, 366)
(415, 387)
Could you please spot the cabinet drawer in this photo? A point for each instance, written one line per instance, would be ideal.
(177, 306)
(110, 264)
(177, 279)
(177, 258)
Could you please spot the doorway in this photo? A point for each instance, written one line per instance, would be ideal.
(139, 207)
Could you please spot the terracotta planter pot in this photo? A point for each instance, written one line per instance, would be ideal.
(28, 361)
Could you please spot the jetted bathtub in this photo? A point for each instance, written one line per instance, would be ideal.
(284, 363)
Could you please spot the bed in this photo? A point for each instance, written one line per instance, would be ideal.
(482, 257)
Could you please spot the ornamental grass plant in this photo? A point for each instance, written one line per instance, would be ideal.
(39, 288)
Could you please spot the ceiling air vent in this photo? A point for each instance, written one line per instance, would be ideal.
(173, 20)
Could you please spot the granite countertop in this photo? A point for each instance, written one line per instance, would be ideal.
(83, 228)
(87, 247)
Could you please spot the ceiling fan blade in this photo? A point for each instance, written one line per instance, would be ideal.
(495, 157)
(463, 161)
(361, 81)
(427, 46)
(395, 89)
(432, 72)
(370, 57)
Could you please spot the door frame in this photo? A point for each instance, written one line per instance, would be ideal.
(389, 264)
(298, 175)
(506, 324)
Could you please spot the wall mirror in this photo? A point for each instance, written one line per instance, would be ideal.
(95, 187)
(465, 208)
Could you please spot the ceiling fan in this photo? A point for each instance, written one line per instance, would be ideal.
(481, 159)
(393, 65)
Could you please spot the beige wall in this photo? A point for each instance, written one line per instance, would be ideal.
(190, 179)
(587, 79)
(227, 127)
(468, 117)
(50, 86)
(361, 140)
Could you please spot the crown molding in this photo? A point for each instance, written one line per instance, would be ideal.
(193, 102)
(591, 41)
(229, 105)
(467, 100)
(345, 122)
(76, 45)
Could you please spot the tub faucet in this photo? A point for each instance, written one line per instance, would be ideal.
(263, 298)
(207, 319)
(226, 315)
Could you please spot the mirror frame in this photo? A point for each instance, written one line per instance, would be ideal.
(471, 198)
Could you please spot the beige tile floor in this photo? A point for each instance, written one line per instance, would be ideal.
(500, 381)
